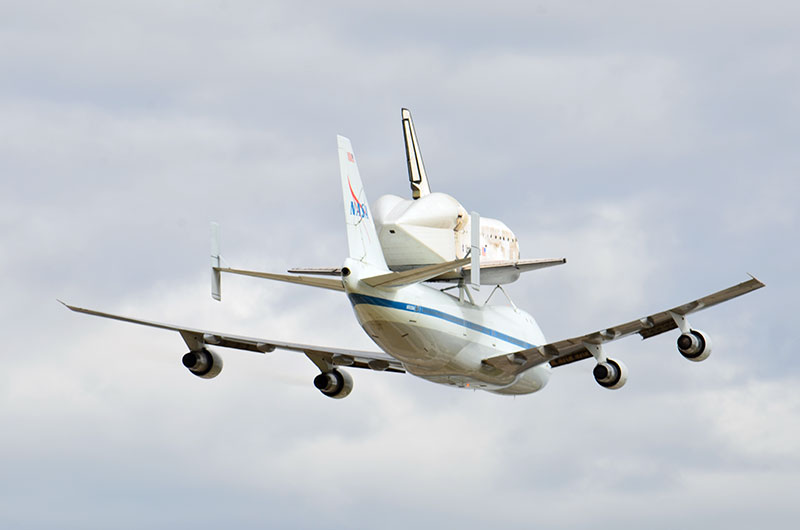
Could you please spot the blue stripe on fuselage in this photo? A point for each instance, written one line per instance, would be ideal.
(356, 299)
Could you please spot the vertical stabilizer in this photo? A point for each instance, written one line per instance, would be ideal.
(216, 284)
(475, 251)
(416, 168)
(362, 238)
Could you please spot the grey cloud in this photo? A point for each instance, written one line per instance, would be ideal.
(653, 146)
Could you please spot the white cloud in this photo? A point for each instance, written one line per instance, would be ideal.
(758, 422)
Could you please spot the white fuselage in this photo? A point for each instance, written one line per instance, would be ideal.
(434, 229)
(442, 339)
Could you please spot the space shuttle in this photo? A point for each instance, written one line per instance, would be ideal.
(434, 228)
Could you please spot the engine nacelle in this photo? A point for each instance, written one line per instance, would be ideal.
(695, 345)
(611, 374)
(203, 363)
(335, 384)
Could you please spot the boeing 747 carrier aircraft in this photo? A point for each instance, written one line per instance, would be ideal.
(395, 289)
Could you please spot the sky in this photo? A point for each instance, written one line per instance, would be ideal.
(654, 145)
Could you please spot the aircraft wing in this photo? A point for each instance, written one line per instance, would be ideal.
(324, 357)
(575, 349)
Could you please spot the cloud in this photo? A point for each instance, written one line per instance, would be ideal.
(652, 147)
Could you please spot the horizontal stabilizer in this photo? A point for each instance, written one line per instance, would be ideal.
(320, 271)
(500, 272)
(324, 283)
(417, 275)
(492, 272)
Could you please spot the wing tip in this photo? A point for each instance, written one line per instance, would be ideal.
(70, 307)
(759, 282)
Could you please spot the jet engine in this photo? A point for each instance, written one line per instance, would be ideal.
(611, 374)
(695, 345)
(203, 363)
(335, 384)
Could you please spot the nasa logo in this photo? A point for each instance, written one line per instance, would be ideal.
(356, 208)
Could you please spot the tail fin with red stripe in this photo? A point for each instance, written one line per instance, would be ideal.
(362, 238)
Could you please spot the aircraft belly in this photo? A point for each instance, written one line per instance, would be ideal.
(442, 352)
(528, 382)
(410, 340)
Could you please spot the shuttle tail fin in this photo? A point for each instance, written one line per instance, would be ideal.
(416, 168)
(362, 238)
